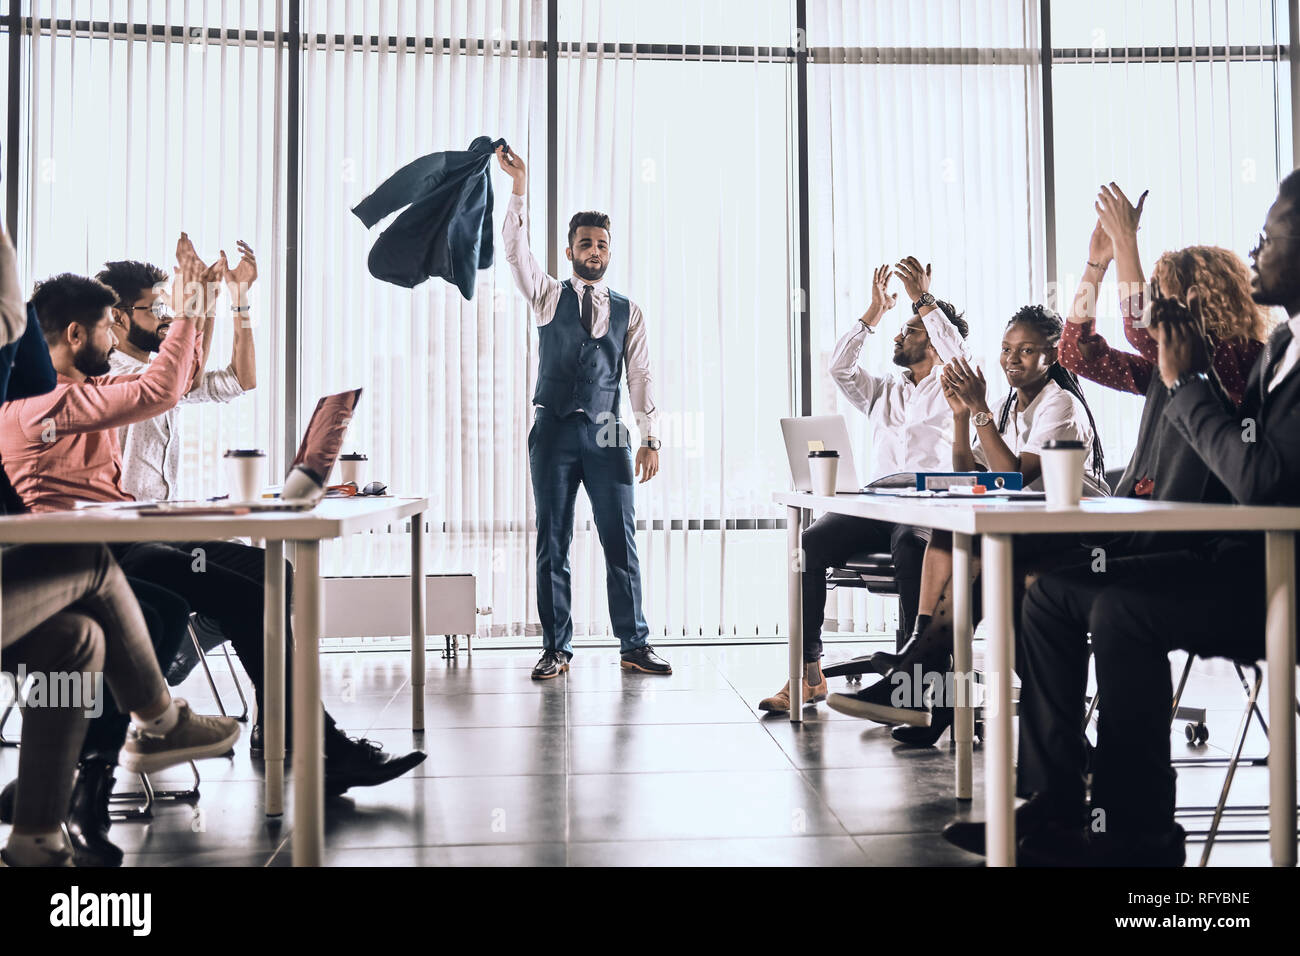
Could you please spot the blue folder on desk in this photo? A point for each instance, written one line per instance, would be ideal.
(906, 481)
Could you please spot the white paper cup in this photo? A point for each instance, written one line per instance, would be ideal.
(1063, 473)
(351, 468)
(247, 469)
(823, 466)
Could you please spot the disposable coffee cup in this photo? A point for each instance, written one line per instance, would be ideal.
(247, 467)
(1062, 461)
(824, 467)
(351, 467)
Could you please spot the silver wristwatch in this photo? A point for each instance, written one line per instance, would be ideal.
(981, 419)
(652, 443)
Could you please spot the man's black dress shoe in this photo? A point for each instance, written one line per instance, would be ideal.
(1033, 817)
(352, 762)
(257, 742)
(88, 820)
(7, 801)
(552, 664)
(645, 659)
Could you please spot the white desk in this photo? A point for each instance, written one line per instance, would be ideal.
(999, 522)
(332, 518)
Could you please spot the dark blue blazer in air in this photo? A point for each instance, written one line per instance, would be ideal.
(446, 231)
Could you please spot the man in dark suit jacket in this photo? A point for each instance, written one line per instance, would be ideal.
(1207, 599)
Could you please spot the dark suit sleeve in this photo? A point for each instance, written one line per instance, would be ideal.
(25, 367)
(413, 181)
(1258, 466)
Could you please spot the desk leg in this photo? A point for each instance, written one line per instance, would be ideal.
(999, 769)
(308, 724)
(1279, 555)
(417, 621)
(963, 727)
(794, 602)
(273, 678)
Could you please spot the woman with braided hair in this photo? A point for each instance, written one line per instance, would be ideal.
(1044, 403)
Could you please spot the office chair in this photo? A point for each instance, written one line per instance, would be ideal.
(1197, 734)
(875, 574)
(4, 719)
(195, 624)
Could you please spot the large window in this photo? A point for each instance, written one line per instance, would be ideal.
(925, 132)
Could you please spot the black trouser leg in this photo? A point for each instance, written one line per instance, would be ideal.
(907, 544)
(827, 542)
(1177, 601)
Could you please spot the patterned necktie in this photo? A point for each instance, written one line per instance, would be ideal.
(1274, 352)
(587, 317)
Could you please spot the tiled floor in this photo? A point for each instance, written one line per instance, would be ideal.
(606, 767)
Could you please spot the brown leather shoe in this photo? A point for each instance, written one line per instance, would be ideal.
(779, 703)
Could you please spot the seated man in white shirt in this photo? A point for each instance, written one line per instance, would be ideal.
(911, 431)
(1044, 404)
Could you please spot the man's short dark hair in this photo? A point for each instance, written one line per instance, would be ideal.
(597, 219)
(950, 313)
(69, 298)
(129, 279)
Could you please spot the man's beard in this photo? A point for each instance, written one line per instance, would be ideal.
(903, 360)
(91, 364)
(588, 275)
(144, 340)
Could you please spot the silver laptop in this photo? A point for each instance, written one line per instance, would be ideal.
(304, 486)
(832, 432)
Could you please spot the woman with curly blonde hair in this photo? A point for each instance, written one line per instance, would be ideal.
(1163, 467)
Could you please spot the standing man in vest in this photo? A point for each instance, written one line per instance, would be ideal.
(587, 334)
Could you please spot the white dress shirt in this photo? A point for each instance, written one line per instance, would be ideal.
(1290, 357)
(911, 421)
(151, 449)
(543, 294)
(1054, 414)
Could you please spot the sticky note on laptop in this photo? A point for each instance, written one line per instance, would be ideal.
(816, 446)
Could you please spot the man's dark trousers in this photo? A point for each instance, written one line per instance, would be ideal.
(1207, 601)
(564, 453)
(831, 540)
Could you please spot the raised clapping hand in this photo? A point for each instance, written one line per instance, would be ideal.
(240, 278)
(1101, 250)
(1179, 331)
(951, 397)
(967, 385)
(916, 280)
(1117, 216)
(881, 300)
(513, 164)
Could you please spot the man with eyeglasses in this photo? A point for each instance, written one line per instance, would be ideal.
(151, 449)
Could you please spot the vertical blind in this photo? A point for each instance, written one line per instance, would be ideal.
(143, 119)
(447, 382)
(925, 136)
(918, 150)
(687, 151)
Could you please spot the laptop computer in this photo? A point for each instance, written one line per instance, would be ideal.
(833, 433)
(304, 486)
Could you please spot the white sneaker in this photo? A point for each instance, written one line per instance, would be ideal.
(195, 737)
